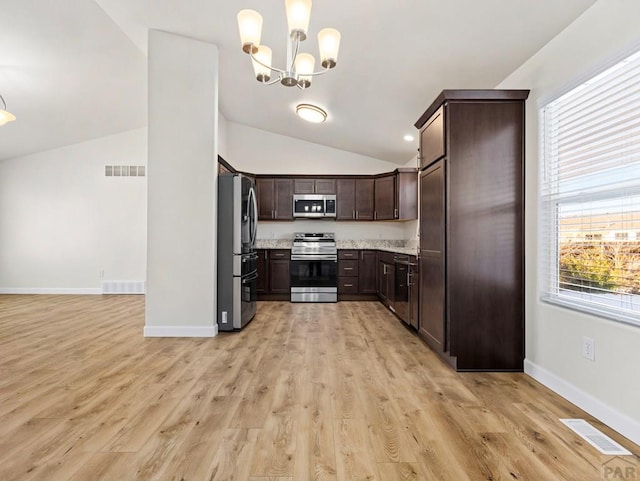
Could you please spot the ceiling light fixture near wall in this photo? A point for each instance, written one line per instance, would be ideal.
(298, 70)
(4, 115)
(311, 113)
(408, 138)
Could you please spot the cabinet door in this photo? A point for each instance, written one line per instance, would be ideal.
(304, 186)
(266, 200)
(364, 199)
(325, 186)
(283, 208)
(432, 301)
(401, 293)
(414, 293)
(367, 270)
(432, 139)
(263, 272)
(382, 281)
(406, 195)
(385, 197)
(345, 199)
(279, 281)
(432, 285)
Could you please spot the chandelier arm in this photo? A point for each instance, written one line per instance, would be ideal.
(3, 102)
(295, 53)
(274, 81)
(270, 67)
(321, 72)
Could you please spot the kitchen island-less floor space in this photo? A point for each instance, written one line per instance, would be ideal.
(305, 392)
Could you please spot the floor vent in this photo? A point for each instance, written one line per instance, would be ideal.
(123, 287)
(597, 439)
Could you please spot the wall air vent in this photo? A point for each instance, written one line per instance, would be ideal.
(123, 287)
(124, 170)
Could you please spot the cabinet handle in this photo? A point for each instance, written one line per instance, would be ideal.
(348, 285)
(375, 215)
(353, 214)
(356, 215)
(279, 255)
(395, 213)
(348, 268)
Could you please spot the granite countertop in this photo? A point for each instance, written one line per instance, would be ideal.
(390, 245)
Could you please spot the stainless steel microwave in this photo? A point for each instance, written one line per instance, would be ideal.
(314, 205)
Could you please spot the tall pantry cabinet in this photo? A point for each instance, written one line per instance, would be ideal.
(471, 228)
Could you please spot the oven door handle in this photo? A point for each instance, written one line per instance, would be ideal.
(318, 257)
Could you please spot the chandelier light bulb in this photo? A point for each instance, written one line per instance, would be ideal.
(4, 115)
(305, 63)
(250, 27)
(262, 68)
(329, 44)
(298, 15)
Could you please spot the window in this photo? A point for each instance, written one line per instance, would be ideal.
(590, 195)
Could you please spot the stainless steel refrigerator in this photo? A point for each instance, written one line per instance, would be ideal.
(237, 258)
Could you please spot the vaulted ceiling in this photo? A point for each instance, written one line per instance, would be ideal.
(73, 70)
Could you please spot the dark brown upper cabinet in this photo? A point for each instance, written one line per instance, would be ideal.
(396, 195)
(275, 198)
(385, 197)
(314, 186)
(432, 144)
(354, 199)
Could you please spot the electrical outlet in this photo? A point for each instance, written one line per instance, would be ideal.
(588, 348)
(224, 317)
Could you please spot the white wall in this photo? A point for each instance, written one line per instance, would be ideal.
(181, 216)
(262, 152)
(62, 221)
(222, 136)
(609, 387)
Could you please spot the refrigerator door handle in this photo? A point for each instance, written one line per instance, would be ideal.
(253, 216)
(250, 277)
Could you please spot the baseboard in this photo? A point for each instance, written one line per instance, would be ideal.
(181, 331)
(620, 422)
(50, 290)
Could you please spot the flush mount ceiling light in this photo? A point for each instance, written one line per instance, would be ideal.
(299, 67)
(4, 115)
(311, 113)
(408, 138)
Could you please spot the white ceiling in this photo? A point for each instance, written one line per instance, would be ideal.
(73, 70)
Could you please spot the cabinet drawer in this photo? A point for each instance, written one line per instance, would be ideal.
(348, 254)
(280, 254)
(347, 268)
(348, 285)
(432, 135)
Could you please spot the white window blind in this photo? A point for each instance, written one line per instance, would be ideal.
(590, 195)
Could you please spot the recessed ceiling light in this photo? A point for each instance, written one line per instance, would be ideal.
(408, 138)
(311, 113)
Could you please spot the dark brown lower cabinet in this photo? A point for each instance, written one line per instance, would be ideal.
(432, 301)
(367, 272)
(273, 274)
(263, 271)
(414, 292)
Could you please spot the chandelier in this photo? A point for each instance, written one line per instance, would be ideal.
(299, 68)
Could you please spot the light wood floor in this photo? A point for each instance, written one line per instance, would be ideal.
(305, 392)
